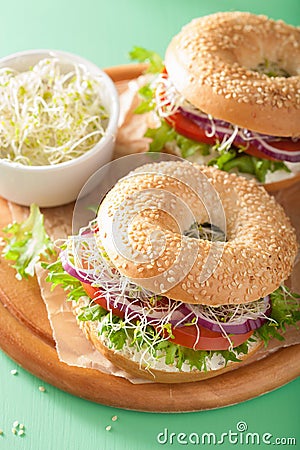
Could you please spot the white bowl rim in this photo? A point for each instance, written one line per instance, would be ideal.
(111, 129)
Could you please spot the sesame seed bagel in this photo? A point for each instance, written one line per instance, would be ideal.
(142, 221)
(213, 62)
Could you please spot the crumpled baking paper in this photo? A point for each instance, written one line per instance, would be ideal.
(73, 348)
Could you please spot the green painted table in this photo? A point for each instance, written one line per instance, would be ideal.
(104, 32)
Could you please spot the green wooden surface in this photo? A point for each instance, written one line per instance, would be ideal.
(104, 31)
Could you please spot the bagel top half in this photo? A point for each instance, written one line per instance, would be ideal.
(143, 218)
(215, 63)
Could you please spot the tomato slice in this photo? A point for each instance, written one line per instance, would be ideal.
(95, 294)
(253, 151)
(187, 336)
(90, 290)
(287, 145)
(188, 128)
(191, 130)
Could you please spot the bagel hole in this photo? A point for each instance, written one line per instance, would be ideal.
(272, 69)
(206, 231)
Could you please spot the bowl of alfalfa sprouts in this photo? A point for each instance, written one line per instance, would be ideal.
(58, 124)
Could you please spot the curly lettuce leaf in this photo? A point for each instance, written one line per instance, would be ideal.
(146, 93)
(143, 55)
(236, 159)
(27, 242)
(165, 133)
(58, 277)
(160, 136)
(285, 311)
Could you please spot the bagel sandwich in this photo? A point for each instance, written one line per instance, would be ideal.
(228, 95)
(143, 303)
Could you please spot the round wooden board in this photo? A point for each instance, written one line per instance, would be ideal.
(26, 336)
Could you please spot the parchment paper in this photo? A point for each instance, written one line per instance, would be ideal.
(73, 348)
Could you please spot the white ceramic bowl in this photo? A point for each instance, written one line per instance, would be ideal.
(58, 184)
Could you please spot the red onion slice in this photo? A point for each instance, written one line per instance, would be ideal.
(233, 327)
(282, 155)
(86, 276)
(223, 129)
(165, 310)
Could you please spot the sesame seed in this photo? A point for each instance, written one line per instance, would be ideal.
(21, 432)
(42, 389)
(14, 372)
(114, 418)
(15, 424)
(108, 427)
(171, 280)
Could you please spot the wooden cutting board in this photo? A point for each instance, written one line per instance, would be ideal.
(26, 336)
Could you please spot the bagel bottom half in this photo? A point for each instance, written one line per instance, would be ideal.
(122, 359)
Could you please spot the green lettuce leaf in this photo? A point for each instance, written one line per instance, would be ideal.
(27, 242)
(147, 104)
(285, 311)
(160, 136)
(92, 312)
(235, 158)
(165, 133)
(58, 277)
(143, 55)
(146, 92)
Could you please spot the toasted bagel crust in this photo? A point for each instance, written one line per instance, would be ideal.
(211, 62)
(257, 257)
